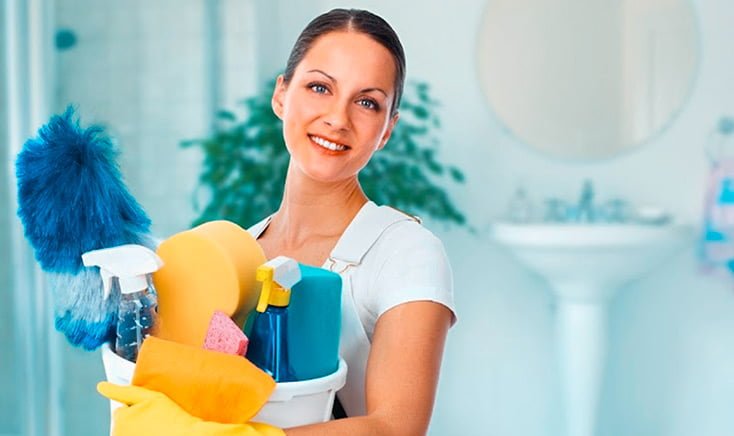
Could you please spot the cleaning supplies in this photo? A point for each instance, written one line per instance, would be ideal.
(268, 348)
(314, 323)
(71, 199)
(210, 267)
(129, 267)
(207, 384)
(225, 336)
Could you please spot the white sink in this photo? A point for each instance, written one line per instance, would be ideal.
(590, 261)
(584, 264)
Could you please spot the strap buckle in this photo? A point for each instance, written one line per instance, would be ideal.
(346, 265)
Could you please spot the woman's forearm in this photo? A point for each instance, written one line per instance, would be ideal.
(357, 426)
(402, 374)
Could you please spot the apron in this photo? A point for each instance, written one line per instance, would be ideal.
(346, 257)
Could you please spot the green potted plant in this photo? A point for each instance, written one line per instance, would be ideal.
(245, 162)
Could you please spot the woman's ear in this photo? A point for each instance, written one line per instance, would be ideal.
(388, 131)
(278, 95)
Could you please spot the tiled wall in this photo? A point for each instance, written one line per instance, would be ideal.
(143, 70)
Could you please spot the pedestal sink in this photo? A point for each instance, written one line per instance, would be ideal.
(584, 265)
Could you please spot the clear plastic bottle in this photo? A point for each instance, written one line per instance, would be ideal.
(129, 269)
(136, 317)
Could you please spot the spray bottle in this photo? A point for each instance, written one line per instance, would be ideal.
(129, 267)
(268, 348)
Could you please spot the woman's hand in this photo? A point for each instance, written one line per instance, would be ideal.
(402, 374)
(149, 413)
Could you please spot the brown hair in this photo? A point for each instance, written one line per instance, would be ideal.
(351, 19)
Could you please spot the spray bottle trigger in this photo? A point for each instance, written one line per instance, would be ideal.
(264, 275)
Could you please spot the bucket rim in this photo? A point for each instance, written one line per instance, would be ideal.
(283, 390)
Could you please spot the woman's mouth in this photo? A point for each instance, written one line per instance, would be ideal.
(325, 143)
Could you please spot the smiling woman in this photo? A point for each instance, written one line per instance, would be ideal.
(338, 100)
(338, 103)
(337, 114)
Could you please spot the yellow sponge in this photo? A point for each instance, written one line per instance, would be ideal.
(210, 267)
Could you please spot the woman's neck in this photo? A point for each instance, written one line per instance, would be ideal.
(313, 210)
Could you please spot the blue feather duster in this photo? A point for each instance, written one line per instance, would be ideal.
(72, 199)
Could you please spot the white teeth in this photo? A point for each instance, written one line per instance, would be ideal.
(328, 144)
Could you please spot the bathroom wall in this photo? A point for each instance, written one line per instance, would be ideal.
(670, 371)
(9, 421)
(143, 70)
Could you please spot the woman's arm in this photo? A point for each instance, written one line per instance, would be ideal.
(402, 374)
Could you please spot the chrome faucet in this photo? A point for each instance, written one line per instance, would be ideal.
(585, 208)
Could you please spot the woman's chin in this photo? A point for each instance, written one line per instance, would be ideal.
(326, 174)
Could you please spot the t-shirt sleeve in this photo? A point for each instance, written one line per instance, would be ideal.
(417, 269)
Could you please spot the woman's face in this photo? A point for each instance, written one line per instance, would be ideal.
(336, 108)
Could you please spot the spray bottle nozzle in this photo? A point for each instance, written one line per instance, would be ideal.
(129, 263)
(277, 277)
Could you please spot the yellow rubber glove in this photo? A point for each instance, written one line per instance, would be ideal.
(200, 380)
(150, 413)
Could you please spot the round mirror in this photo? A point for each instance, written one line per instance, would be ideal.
(587, 78)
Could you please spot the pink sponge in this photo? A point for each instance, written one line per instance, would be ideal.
(225, 336)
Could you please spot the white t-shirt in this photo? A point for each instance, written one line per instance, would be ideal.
(406, 263)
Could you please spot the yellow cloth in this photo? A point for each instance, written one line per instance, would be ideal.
(150, 413)
(207, 384)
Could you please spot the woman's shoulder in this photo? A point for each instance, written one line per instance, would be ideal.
(407, 263)
(406, 240)
(410, 232)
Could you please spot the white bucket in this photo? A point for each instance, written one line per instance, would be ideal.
(291, 404)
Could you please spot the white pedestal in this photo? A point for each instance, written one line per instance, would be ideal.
(581, 329)
(582, 343)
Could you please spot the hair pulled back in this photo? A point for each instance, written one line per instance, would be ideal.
(351, 20)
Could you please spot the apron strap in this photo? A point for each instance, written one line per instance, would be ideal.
(364, 231)
(354, 244)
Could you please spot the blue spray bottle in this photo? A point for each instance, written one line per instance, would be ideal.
(314, 323)
(268, 347)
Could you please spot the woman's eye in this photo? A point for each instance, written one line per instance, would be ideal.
(369, 104)
(318, 88)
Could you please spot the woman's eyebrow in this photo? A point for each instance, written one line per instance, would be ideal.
(375, 89)
(321, 72)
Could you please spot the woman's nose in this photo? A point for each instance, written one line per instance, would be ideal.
(337, 116)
